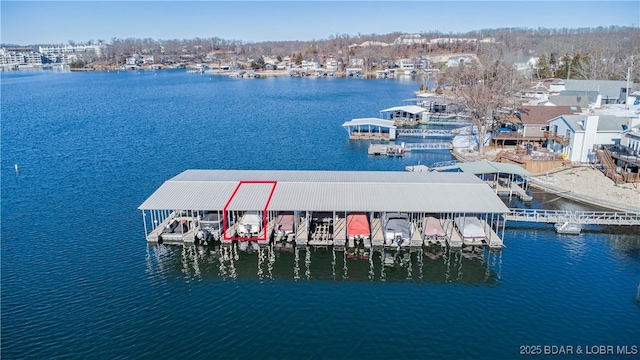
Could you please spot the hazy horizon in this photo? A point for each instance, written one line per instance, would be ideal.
(58, 22)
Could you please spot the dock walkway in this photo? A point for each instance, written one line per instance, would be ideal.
(416, 237)
(340, 232)
(576, 217)
(302, 233)
(377, 233)
(494, 241)
(425, 133)
(454, 239)
(512, 189)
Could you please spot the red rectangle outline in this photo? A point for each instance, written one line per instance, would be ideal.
(264, 211)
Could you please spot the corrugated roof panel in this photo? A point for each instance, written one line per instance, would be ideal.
(250, 197)
(327, 191)
(323, 176)
(370, 121)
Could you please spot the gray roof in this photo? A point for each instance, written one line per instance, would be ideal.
(492, 167)
(592, 96)
(325, 191)
(607, 88)
(565, 100)
(606, 123)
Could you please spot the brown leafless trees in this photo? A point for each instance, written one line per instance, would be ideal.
(484, 91)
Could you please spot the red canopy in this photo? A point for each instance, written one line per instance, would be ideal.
(358, 224)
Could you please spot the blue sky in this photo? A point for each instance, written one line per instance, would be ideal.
(55, 22)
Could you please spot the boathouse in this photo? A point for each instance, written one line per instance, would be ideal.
(188, 198)
(370, 128)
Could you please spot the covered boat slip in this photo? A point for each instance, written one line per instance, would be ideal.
(370, 128)
(432, 231)
(231, 193)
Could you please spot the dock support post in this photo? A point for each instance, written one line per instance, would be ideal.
(144, 222)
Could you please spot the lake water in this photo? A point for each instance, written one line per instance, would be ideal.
(79, 281)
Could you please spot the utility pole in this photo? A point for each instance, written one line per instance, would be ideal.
(629, 69)
(626, 94)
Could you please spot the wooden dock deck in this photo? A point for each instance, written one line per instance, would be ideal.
(302, 232)
(454, 239)
(377, 233)
(340, 232)
(495, 242)
(270, 225)
(172, 238)
(512, 190)
(388, 150)
(416, 237)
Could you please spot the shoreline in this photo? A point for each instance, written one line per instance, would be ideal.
(584, 184)
(590, 186)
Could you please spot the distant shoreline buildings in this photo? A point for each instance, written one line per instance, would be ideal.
(25, 57)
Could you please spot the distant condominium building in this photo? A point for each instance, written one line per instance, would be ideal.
(19, 58)
(98, 49)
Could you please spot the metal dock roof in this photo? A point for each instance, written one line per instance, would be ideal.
(326, 191)
(370, 121)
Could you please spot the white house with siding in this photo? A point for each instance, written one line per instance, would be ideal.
(631, 139)
(584, 133)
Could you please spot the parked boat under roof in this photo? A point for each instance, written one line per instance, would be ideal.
(432, 231)
(285, 224)
(358, 228)
(398, 229)
(470, 229)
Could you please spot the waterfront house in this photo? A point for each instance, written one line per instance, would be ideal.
(535, 119)
(406, 64)
(577, 136)
(309, 66)
(134, 59)
(457, 60)
(631, 139)
(332, 64)
(356, 61)
(148, 59)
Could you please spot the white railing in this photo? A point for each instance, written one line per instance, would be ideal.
(577, 217)
(424, 133)
(428, 146)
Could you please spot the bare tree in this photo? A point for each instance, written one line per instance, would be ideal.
(484, 91)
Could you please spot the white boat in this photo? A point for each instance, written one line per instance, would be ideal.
(568, 228)
(250, 224)
(471, 230)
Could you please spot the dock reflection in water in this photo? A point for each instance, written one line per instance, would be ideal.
(470, 265)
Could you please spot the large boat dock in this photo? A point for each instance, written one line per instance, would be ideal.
(320, 201)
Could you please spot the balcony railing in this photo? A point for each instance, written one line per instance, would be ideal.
(557, 138)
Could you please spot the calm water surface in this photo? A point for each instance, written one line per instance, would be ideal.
(79, 281)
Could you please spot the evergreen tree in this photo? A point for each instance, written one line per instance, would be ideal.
(543, 68)
(298, 60)
(553, 63)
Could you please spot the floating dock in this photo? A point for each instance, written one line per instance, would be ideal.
(312, 195)
(386, 149)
